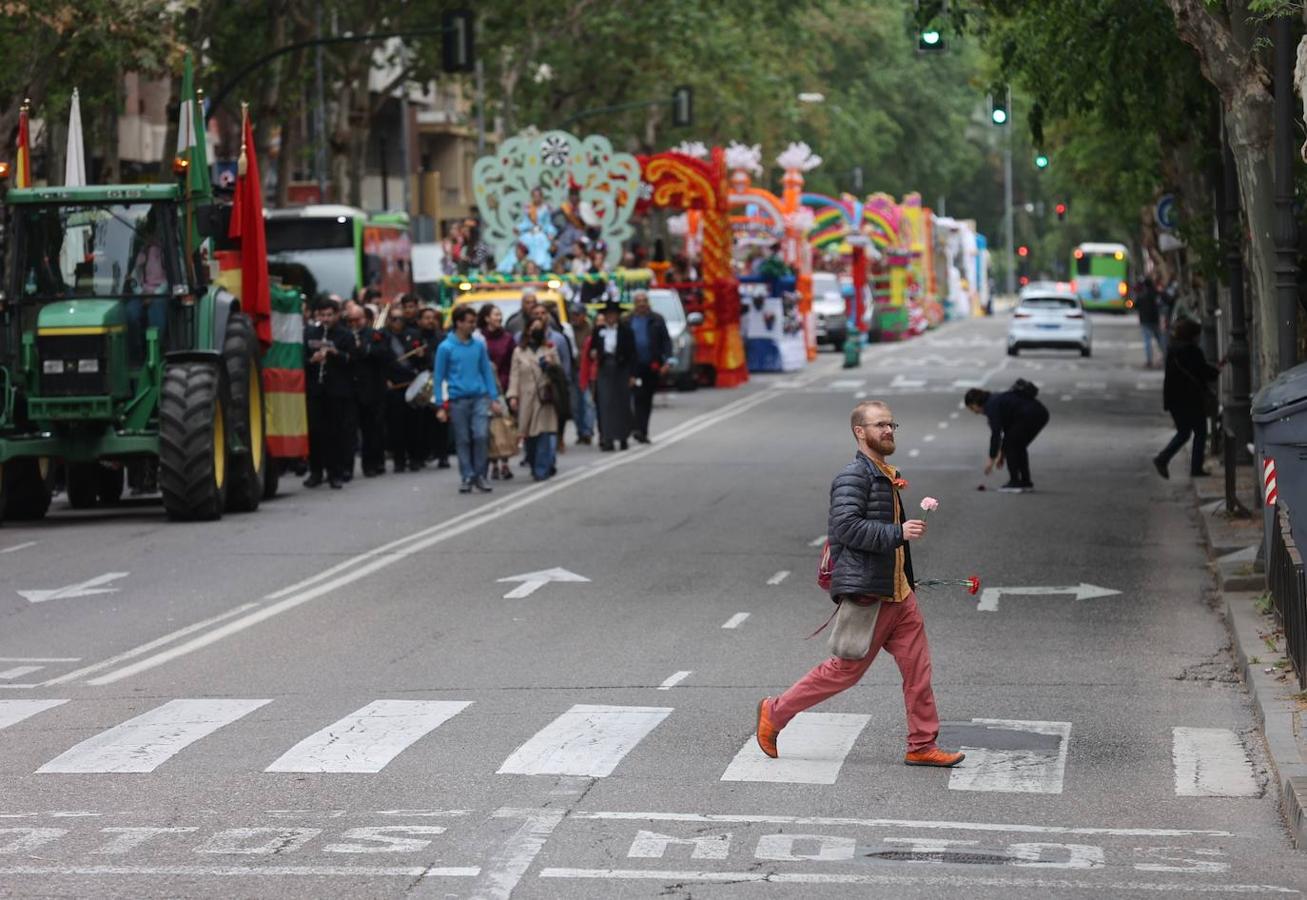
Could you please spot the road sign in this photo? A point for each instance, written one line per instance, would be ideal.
(534, 581)
(81, 589)
(1165, 213)
(989, 596)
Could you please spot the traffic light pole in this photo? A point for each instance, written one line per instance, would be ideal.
(1008, 236)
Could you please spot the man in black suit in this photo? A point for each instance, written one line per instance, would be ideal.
(329, 353)
(653, 350)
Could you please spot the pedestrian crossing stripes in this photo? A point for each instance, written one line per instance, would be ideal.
(812, 747)
(1003, 755)
(367, 740)
(14, 711)
(144, 743)
(1211, 762)
(585, 740)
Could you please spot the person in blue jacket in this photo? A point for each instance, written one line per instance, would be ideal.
(466, 394)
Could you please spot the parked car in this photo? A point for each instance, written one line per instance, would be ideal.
(1049, 318)
(667, 303)
(829, 310)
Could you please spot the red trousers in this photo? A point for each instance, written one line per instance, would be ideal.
(901, 631)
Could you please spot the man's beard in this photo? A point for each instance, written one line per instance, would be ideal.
(883, 446)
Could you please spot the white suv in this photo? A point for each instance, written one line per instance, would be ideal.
(1049, 318)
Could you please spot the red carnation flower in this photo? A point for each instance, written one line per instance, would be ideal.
(973, 584)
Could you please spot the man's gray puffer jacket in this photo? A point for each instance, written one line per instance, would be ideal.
(863, 533)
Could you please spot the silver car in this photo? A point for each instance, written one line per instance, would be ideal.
(667, 303)
(1049, 317)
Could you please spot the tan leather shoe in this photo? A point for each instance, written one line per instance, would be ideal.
(934, 757)
(766, 732)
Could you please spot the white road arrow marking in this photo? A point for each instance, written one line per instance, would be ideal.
(81, 589)
(989, 596)
(534, 581)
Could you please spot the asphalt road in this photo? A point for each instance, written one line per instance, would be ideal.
(335, 697)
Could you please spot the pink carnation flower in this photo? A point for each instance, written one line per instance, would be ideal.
(928, 504)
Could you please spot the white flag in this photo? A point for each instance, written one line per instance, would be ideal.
(75, 158)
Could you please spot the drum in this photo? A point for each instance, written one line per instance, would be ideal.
(421, 393)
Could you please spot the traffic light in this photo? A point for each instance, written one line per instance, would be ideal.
(1041, 161)
(683, 106)
(1023, 251)
(930, 18)
(457, 52)
(997, 109)
(1060, 209)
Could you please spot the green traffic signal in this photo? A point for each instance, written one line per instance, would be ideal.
(1041, 161)
(999, 115)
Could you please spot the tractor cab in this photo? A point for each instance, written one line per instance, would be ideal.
(97, 291)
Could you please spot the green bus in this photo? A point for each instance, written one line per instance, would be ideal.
(1100, 276)
(340, 250)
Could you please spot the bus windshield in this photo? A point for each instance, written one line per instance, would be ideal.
(111, 250)
(324, 246)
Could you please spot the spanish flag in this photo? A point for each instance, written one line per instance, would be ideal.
(23, 163)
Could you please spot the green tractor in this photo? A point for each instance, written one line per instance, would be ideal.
(118, 351)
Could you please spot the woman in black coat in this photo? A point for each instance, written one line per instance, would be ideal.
(1186, 395)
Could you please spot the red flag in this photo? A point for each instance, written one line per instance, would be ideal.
(23, 167)
(247, 225)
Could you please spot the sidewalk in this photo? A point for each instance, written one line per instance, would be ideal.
(1258, 646)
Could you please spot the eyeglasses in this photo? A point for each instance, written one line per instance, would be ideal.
(881, 426)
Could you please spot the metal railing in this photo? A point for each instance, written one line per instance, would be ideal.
(1288, 585)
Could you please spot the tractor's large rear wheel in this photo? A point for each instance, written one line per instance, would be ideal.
(24, 489)
(193, 457)
(240, 355)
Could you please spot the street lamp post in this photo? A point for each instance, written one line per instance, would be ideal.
(1008, 236)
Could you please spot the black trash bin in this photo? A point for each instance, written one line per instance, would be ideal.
(1279, 413)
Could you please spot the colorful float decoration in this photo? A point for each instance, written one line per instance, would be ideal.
(532, 174)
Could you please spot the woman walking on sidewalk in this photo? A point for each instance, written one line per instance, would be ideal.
(872, 581)
(1188, 396)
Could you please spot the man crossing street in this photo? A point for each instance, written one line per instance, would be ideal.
(872, 581)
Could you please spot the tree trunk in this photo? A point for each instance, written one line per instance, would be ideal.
(1226, 48)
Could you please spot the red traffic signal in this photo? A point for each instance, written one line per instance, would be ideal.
(1061, 211)
(1023, 250)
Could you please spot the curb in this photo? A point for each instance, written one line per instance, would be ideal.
(1278, 716)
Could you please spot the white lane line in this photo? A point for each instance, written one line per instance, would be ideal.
(1045, 884)
(18, 672)
(505, 869)
(14, 711)
(817, 541)
(147, 647)
(585, 740)
(847, 384)
(813, 747)
(369, 738)
(258, 871)
(1014, 771)
(1065, 398)
(1211, 762)
(40, 659)
(355, 569)
(925, 824)
(941, 424)
(914, 453)
(16, 547)
(779, 576)
(144, 743)
(953, 415)
(673, 680)
(927, 438)
(735, 621)
(859, 395)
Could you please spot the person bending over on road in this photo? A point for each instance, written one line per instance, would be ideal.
(872, 581)
(1015, 420)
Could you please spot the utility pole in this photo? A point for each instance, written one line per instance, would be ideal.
(1286, 228)
(481, 107)
(319, 119)
(1008, 236)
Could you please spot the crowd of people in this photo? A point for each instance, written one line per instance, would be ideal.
(394, 382)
